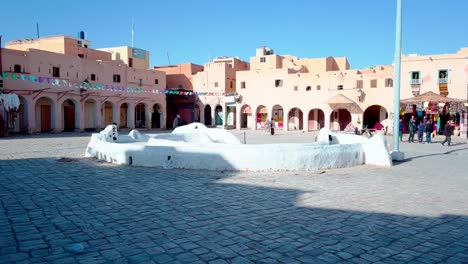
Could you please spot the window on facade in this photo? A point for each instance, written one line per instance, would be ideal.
(68, 74)
(339, 87)
(318, 87)
(216, 84)
(38, 69)
(295, 87)
(116, 78)
(17, 68)
(156, 81)
(130, 62)
(262, 59)
(373, 83)
(231, 84)
(389, 82)
(230, 65)
(415, 77)
(81, 55)
(443, 76)
(93, 77)
(140, 82)
(278, 83)
(56, 71)
(359, 84)
(308, 89)
(243, 85)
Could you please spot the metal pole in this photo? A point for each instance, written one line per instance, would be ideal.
(396, 98)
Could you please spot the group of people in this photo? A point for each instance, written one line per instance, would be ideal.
(425, 126)
(270, 126)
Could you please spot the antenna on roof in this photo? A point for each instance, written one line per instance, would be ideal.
(168, 60)
(37, 29)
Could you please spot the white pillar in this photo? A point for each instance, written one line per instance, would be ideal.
(305, 122)
(225, 124)
(213, 116)
(131, 116)
(327, 119)
(238, 117)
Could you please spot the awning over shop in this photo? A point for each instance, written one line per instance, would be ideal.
(340, 101)
(430, 97)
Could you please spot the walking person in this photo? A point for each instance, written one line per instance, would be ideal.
(429, 128)
(176, 121)
(401, 129)
(272, 126)
(447, 133)
(412, 129)
(421, 131)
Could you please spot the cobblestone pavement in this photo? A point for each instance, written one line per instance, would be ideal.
(52, 200)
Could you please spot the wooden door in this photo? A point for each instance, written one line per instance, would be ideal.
(69, 118)
(45, 118)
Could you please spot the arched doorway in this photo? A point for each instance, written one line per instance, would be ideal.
(108, 113)
(45, 117)
(69, 119)
(246, 117)
(339, 119)
(262, 116)
(316, 119)
(196, 113)
(374, 114)
(123, 115)
(207, 115)
(156, 116)
(278, 116)
(219, 116)
(295, 119)
(90, 115)
(140, 116)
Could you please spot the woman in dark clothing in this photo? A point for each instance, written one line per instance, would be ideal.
(429, 129)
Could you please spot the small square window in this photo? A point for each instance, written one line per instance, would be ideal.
(308, 88)
(55, 71)
(359, 84)
(116, 78)
(140, 82)
(17, 68)
(156, 81)
(340, 87)
(318, 88)
(216, 84)
(443, 76)
(278, 83)
(262, 59)
(373, 83)
(232, 84)
(93, 77)
(243, 86)
(295, 87)
(389, 82)
(81, 56)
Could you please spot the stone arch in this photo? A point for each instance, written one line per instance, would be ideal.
(339, 119)
(140, 115)
(207, 114)
(45, 114)
(156, 116)
(316, 119)
(374, 114)
(246, 116)
(219, 118)
(90, 114)
(70, 115)
(295, 119)
(261, 116)
(123, 118)
(109, 113)
(277, 113)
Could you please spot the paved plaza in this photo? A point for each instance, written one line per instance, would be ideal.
(54, 200)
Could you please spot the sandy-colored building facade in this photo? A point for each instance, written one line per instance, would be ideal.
(65, 88)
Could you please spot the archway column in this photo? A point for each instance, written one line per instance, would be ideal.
(327, 115)
(254, 111)
(82, 115)
(213, 116)
(59, 119)
(305, 121)
(285, 120)
(224, 107)
(131, 115)
(31, 113)
(148, 113)
(99, 115)
(238, 117)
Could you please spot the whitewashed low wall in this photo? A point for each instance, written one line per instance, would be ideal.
(198, 151)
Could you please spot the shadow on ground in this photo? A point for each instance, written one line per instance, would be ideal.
(135, 214)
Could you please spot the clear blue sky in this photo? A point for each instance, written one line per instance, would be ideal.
(189, 30)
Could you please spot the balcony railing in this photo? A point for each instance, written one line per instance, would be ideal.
(443, 80)
(415, 81)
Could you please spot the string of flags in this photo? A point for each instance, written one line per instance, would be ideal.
(103, 87)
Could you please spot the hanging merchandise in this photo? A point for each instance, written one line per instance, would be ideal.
(103, 87)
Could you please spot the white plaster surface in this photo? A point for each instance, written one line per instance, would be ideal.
(196, 147)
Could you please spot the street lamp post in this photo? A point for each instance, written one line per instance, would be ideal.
(396, 154)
